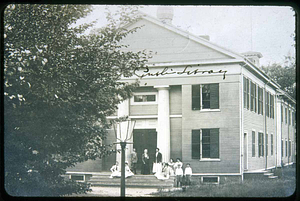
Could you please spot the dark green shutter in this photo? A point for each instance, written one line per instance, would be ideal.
(253, 143)
(214, 96)
(245, 91)
(248, 94)
(263, 145)
(196, 97)
(214, 143)
(195, 144)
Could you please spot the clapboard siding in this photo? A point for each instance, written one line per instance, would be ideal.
(143, 110)
(175, 100)
(176, 137)
(227, 120)
(166, 45)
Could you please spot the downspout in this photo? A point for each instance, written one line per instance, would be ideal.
(276, 139)
(282, 119)
(241, 122)
(288, 144)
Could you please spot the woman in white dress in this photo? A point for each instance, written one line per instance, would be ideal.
(165, 173)
(171, 167)
(128, 172)
(115, 170)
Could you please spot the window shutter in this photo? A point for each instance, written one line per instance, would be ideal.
(214, 143)
(253, 143)
(196, 97)
(263, 145)
(195, 144)
(245, 91)
(248, 94)
(214, 96)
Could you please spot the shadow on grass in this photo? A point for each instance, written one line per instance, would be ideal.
(264, 187)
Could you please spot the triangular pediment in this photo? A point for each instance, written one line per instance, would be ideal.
(171, 45)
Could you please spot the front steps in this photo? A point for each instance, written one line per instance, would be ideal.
(139, 181)
(270, 175)
(263, 174)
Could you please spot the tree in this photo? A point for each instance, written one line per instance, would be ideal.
(59, 87)
(284, 75)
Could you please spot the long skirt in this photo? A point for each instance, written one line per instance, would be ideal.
(162, 176)
(145, 169)
(157, 167)
(115, 174)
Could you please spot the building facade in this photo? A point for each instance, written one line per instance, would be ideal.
(204, 104)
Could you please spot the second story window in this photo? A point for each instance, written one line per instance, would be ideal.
(205, 96)
(144, 98)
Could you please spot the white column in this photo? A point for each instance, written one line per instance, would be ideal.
(163, 122)
(123, 110)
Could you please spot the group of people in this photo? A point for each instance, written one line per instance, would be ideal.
(175, 169)
(160, 170)
(115, 170)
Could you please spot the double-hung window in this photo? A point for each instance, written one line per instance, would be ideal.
(205, 144)
(144, 98)
(205, 96)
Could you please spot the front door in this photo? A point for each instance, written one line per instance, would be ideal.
(145, 139)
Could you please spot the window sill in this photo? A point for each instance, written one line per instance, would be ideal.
(210, 110)
(211, 159)
(143, 103)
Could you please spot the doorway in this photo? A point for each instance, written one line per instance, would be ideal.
(145, 139)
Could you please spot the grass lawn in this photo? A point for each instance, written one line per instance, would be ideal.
(280, 187)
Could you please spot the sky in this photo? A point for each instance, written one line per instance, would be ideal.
(264, 29)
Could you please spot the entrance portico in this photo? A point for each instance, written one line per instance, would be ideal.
(161, 124)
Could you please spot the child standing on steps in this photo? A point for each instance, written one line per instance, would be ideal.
(179, 175)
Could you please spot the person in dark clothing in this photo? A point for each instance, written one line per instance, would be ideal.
(145, 162)
(157, 165)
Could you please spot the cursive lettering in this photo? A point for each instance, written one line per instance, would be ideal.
(169, 71)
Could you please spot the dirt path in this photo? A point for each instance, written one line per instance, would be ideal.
(115, 192)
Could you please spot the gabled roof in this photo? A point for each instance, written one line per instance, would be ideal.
(189, 35)
(236, 56)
